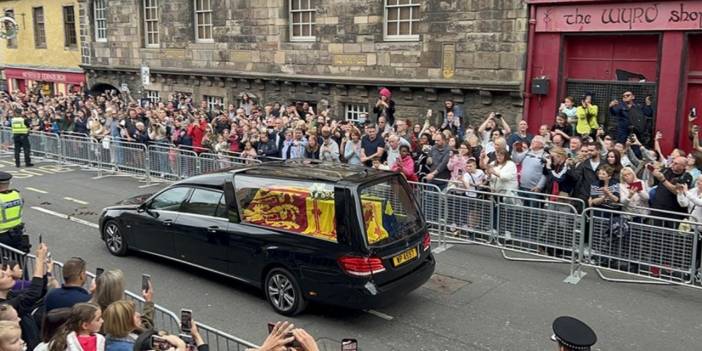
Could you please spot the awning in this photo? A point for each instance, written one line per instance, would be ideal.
(45, 76)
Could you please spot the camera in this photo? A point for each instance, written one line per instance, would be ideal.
(498, 115)
(160, 344)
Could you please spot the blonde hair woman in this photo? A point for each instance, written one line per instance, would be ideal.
(633, 191)
(122, 325)
(109, 287)
(11, 337)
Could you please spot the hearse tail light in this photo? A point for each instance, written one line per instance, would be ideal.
(361, 266)
(426, 242)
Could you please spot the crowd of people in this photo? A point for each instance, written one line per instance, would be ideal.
(574, 156)
(41, 315)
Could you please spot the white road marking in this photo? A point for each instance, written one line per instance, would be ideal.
(84, 222)
(380, 315)
(65, 216)
(76, 200)
(440, 249)
(37, 190)
(47, 211)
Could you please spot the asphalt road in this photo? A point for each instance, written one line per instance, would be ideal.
(476, 301)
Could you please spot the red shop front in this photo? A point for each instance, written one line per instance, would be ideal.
(50, 82)
(604, 47)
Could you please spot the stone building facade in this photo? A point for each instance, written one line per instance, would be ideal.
(471, 51)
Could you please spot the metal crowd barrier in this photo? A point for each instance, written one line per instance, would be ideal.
(658, 248)
(663, 249)
(109, 156)
(549, 227)
(164, 319)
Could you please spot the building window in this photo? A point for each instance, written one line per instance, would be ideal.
(69, 27)
(302, 20)
(153, 95)
(151, 23)
(100, 16)
(353, 112)
(11, 42)
(401, 17)
(203, 21)
(214, 102)
(39, 33)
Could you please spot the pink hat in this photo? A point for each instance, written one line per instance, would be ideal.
(385, 92)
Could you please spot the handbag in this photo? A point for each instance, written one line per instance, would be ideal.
(684, 226)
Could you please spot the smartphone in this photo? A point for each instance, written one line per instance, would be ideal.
(41, 240)
(498, 115)
(349, 345)
(294, 344)
(98, 272)
(650, 167)
(693, 111)
(145, 280)
(186, 320)
(160, 344)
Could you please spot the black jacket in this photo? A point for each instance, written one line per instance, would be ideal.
(582, 178)
(268, 149)
(25, 302)
(389, 113)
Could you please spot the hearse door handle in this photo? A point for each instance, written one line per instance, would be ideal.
(212, 228)
(167, 222)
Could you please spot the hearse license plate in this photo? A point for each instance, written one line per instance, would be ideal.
(404, 257)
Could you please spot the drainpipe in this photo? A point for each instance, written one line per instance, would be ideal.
(530, 57)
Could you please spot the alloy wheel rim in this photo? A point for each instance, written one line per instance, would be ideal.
(113, 237)
(281, 292)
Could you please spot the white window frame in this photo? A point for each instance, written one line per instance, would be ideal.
(151, 6)
(153, 95)
(212, 101)
(353, 112)
(100, 17)
(414, 9)
(309, 9)
(196, 12)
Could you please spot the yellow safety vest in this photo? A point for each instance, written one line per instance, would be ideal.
(18, 126)
(10, 210)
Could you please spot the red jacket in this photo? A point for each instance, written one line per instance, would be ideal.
(405, 165)
(197, 131)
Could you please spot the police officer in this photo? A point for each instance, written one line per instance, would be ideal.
(20, 134)
(572, 334)
(11, 226)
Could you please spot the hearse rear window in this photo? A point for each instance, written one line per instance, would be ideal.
(389, 213)
(305, 208)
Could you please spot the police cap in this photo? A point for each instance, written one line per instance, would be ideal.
(573, 333)
(5, 177)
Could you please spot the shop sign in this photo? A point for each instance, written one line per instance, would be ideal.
(44, 76)
(642, 16)
(145, 75)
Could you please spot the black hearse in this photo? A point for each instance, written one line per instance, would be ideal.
(302, 232)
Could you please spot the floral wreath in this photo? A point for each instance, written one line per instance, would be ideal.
(320, 191)
(9, 28)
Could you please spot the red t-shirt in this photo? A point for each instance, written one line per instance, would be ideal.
(88, 342)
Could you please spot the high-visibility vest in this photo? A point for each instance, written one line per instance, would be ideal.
(10, 210)
(18, 126)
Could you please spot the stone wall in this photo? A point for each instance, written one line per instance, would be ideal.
(470, 50)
